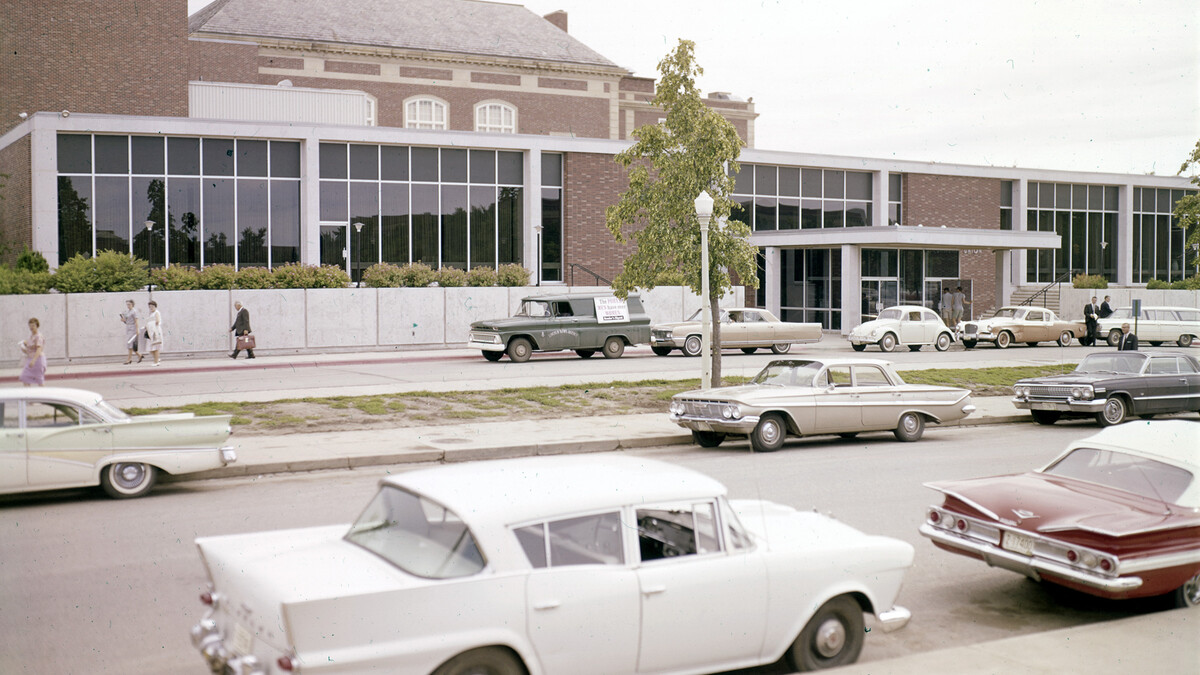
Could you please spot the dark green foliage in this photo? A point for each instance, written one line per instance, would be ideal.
(108, 271)
(32, 261)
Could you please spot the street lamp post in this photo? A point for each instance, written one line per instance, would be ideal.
(704, 211)
(150, 251)
(357, 254)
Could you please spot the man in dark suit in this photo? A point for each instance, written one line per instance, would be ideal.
(1105, 308)
(1089, 319)
(1128, 341)
(241, 326)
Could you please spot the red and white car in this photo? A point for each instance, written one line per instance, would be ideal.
(1117, 515)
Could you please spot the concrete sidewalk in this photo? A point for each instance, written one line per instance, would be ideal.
(263, 454)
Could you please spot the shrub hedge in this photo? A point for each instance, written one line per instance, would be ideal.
(1090, 281)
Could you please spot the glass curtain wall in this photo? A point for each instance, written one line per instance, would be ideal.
(179, 200)
(792, 198)
(444, 207)
(907, 276)
(1160, 249)
(1085, 217)
(810, 287)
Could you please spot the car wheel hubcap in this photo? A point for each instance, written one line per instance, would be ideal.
(910, 424)
(770, 433)
(1113, 411)
(830, 638)
(1191, 591)
(129, 475)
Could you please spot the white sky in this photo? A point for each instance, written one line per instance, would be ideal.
(1090, 85)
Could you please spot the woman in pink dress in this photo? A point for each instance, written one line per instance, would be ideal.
(34, 347)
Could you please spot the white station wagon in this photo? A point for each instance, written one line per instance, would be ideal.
(576, 565)
(1155, 325)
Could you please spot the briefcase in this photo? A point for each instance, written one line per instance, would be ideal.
(245, 341)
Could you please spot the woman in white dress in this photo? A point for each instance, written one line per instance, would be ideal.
(154, 332)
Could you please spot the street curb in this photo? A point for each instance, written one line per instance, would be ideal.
(503, 452)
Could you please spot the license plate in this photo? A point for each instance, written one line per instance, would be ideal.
(1017, 543)
(1042, 405)
(243, 639)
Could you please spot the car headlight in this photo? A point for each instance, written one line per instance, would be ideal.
(676, 408)
(1083, 393)
(731, 412)
(1021, 391)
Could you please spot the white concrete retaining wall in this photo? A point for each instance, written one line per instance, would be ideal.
(1072, 300)
(87, 327)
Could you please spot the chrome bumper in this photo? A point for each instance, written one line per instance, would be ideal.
(228, 455)
(1093, 406)
(742, 426)
(665, 342)
(206, 637)
(488, 342)
(1033, 568)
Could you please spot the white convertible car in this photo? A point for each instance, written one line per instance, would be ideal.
(54, 438)
(577, 565)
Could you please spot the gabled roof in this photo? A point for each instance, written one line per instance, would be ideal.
(470, 27)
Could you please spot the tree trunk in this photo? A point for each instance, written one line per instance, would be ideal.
(715, 313)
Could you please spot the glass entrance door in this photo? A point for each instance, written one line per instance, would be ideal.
(334, 249)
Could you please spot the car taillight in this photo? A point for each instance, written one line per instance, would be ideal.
(934, 517)
(1072, 556)
(207, 598)
(961, 525)
(1105, 564)
(286, 664)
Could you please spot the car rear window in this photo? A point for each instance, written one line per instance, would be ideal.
(417, 535)
(1139, 475)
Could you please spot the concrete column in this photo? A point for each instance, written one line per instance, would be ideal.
(1004, 282)
(1124, 252)
(851, 287)
(1018, 258)
(310, 201)
(773, 281)
(879, 197)
(43, 168)
(532, 209)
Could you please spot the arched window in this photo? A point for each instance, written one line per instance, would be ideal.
(425, 113)
(495, 117)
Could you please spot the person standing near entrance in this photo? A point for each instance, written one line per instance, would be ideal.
(1105, 308)
(1090, 311)
(947, 301)
(958, 301)
(240, 327)
(1128, 342)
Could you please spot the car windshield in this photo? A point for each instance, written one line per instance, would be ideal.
(417, 535)
(788, 374)
(1130, 473)
(534, 308)
(893, 313)
(1111, 362)
(698, 315)
(1005, 313)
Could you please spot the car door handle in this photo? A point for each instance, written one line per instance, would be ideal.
(654, 590)
(547, 604)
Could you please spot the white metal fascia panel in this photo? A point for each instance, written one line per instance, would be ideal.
(908, 237)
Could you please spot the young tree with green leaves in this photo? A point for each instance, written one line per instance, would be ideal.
(671, 163)
(1187, 210)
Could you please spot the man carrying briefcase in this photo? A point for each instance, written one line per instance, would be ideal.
(243, 339)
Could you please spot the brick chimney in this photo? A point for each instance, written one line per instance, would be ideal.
(559, 18)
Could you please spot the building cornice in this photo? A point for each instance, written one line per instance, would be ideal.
(900, 236)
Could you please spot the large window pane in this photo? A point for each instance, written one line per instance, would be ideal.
(810, 214)
(148, 155)
(510, 221)
(285, 222)
(552, 267)
(149, 204)
(454, 226)
(510, 168)
(74, 154)
(285, 159)
(251, 158)
(425, 164)
(743, 180)
(1078, 262)
(334, 205)
(764, 181)
(1162, 247)
(112, 214)
(454, 165)
(941, 264)
(789, 214)
(834, 215)
(394, 222)
(789, 182)
(364, 210)
(483, 166)
(810, 183)
(218, 224)
(183, 218)
(112, 154)
(483, 226)
(858, 185)
(333, 160)
(835, 184)
(364, 162)
(858, 214)
(74, 216)
(218, 157)
(393, 162)
(183, 156)
(425, 211)
(252, 215)
(1062, 225)
(764, 212)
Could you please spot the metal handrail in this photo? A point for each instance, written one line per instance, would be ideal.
(1045, 289)
(598, 278)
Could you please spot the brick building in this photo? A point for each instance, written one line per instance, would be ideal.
(465, 133)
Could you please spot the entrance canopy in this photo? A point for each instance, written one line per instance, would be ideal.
(903, 236)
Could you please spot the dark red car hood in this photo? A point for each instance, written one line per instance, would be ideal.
(1046, 504)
